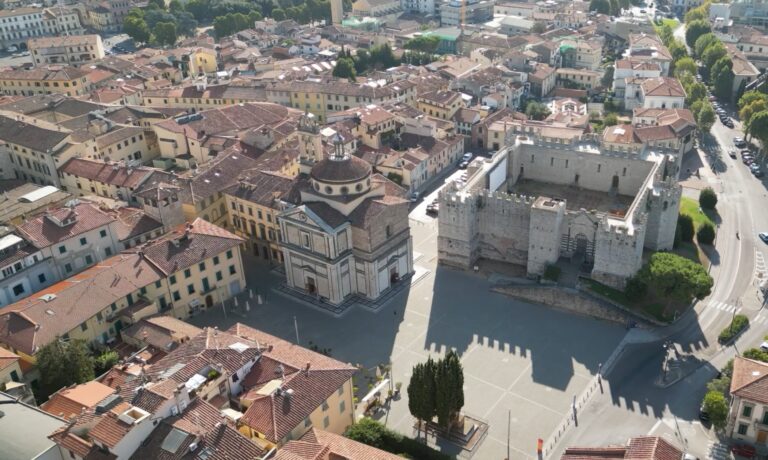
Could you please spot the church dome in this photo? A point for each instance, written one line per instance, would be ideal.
(337, 171)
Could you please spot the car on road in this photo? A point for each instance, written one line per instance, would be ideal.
(739, 142)
(463, 165)
(764, 346)
(763, 236)
(467, 157)
(758, 173)
(728, 123)
(703, 415)
(732, 153)
(747, 159)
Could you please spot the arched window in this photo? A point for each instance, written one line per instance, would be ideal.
(344, 190)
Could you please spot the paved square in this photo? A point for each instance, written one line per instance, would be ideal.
(527, 359)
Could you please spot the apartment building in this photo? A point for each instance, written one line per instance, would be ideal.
(748, 413)
(10, 370)
(581, 54)
(20, 200)
(74, 237)
(455, 12)
(187, 269)
(322, 98)
(254, 203)
(440, 104)
(71, 50)
(116, 180)
(20, 24)
(578, 78)
(305, 390)
(201, 264)
(24, 269)
(201, 96)
(49, 79)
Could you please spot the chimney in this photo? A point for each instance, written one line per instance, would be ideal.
(307, 368)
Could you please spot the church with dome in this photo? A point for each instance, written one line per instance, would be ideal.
(350, 234)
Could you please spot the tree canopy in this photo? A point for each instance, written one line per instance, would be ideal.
(717, 407)
(62, 364)
(713, 53)
(685, 65)
(600, 6)
(536, 110)
(721, 77)
(704, 42)
(423, 43)
(696, 29)
(705, 118)
(607, 79)
(436, 389)
(676, 277)
(345, 68)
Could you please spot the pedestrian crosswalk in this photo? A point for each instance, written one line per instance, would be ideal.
(718, 451)
(761, 318)
(759, 264)
(722, 306)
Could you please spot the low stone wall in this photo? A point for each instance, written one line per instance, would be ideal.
(567, 299)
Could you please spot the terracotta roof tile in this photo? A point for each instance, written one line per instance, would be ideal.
(749, 380)
(43, 231)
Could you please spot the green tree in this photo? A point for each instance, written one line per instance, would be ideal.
(607, 79)
(105, 361)
(676, 278)
(758, 127)
(635, 289)
(756, 354)
(137, 29)
(200, 9)
(721, 77)
(278, 14)
(165, 33)
(704, 42)
(367, 431)
(706, 234)
(449, 390)
(685, 65)
(62, 364)
(156, 5)
(750, 97)
(696, 29)
(677, 50)
(748, 111)
(706, 118)
(536, 110)
(717, 407)
(421, 392)
(611, 119)
(615, 9)
(538, 28)
(666, 34)
(713, 53)
(175, 6)
(696, 108)
(685, 227)
(423, 43)
(186, 24)
(695, 92)
(600, 6)
(697, 14)
(708, 199)
(345, 68)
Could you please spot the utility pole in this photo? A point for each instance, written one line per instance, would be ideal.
(296, 328)
(509, 427)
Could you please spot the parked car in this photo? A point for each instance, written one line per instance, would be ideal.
(747, 159)
(463, 165)
(433, 208)
(758, 173)
(728, 122)
(763, 236)
(744, 450)
(414, 197)
(467, 157)
(764, 346)
(739, 142)
(732, 153)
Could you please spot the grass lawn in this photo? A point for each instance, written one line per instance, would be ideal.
(671, 22)
(690, 207)
(693, 251)
(650, 305)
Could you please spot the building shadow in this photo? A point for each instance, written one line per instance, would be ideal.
(465, 314)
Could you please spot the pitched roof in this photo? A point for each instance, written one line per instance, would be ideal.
(201, 423)
(276, 414)
(44, 230)
(749, 380)
(662, 86)
(339, 447)
(639, 448)
(187, 245)
(163, 332)
(39, 136)
(34, 321)
(69, 402)
(7, 358)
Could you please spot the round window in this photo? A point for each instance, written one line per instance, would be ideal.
(328, 189)
(317, 186)
(358, 187)
(344, 190)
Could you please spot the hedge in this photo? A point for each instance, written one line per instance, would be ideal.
(738, 324)
(373, 433)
